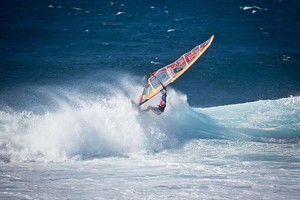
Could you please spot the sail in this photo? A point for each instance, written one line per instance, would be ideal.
(164, 76)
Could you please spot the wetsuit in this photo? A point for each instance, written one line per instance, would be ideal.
(163, 103)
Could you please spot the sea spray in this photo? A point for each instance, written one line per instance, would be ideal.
(106, 127)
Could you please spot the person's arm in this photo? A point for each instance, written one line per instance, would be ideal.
(163, 91)
(164, 96)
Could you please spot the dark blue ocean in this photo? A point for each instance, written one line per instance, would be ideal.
(231, 129)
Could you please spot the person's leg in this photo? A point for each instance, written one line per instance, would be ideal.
(155, 110)
(147, 109)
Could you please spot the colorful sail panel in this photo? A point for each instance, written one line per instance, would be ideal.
(168, 74)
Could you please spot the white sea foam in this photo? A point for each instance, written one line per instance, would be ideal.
(171, 30)
(85, 126)
(156, 63)
(253, 9)
(200, 169)
(89, 141)
(106, 127)
(286, 58)
(120, 13)
(76, 8)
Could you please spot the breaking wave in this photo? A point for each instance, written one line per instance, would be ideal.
(99, 125)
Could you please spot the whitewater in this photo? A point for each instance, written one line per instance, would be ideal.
(88, 146)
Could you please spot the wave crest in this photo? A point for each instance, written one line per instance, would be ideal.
(87, 126)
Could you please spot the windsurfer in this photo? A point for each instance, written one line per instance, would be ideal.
(162, 104)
